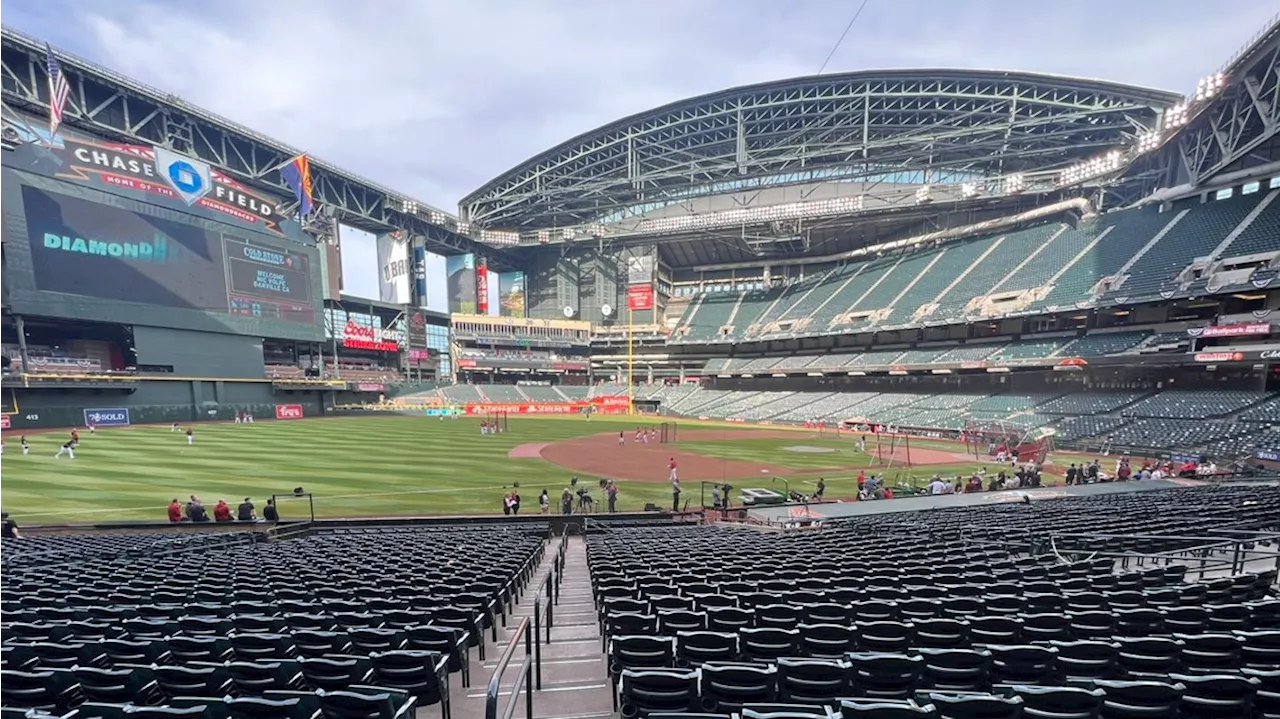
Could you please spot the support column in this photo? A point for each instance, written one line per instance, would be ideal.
(23, 355)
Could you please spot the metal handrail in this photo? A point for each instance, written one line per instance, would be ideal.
(538, 623)
(524, 679)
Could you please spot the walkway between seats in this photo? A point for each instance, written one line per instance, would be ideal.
(575, 683)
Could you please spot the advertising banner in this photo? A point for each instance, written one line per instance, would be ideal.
(364, 337)
(145, 172)
(461, 273)
(4, 421)
(640, 297)
(420, 275)
(370, 387)
(288, 411)
(610, 405)
(482, 288)
(393, 269)
(416, 330)
(422, 358)
(1243, 329)
(1220, 357)
(511, 294)
(114, 417)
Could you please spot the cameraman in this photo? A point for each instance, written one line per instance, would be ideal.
(611, 492)
(585, 502)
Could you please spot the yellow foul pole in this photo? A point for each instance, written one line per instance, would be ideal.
(631, 360)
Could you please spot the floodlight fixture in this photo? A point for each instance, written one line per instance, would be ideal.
(1209, 87)
(1148, 141)
(1176, 116)
(500, 238)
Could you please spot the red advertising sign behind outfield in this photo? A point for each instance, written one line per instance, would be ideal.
(288, 411)
(640, 297)
(361, 337)
(4, 421)
(1220, 357)
(482, 289)
(601, 405)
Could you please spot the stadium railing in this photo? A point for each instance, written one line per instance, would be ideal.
(1225, 552)
(524, 679)
(549, 592)
(529, 630)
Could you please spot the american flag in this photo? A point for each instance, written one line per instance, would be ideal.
(59, 91)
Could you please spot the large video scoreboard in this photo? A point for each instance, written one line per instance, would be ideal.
(119, 248)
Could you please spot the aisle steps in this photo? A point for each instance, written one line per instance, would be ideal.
(575, 680)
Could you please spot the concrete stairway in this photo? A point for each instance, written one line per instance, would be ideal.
(575, 681)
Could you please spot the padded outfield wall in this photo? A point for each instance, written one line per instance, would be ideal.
(156, 401)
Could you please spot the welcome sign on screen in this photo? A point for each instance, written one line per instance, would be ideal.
(86, 248)
(268, 281)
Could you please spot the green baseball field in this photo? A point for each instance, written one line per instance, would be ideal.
(384, 465)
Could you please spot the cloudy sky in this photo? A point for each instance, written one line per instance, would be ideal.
(434, 98)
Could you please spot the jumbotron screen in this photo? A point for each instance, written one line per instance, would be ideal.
(267, 282)
(153, 256)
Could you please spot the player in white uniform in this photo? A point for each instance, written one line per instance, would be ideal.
(67, 449)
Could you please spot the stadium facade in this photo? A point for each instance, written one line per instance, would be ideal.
(821, 239)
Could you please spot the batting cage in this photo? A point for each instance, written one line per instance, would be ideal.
(667, 433)
(890, 450)
(496, 419)
(985, 438)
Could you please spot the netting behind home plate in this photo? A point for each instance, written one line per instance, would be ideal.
(987, 438)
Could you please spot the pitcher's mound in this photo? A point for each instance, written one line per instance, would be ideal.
(803, 449)
(527, 451)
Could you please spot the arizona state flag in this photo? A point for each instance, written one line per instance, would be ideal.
(297, 175)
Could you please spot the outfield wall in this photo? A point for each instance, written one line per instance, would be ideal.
(158, 401)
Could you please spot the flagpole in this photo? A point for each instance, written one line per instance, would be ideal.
(277, 167)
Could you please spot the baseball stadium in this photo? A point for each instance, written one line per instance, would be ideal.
(900, 394)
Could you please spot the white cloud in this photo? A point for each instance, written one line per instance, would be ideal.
(434, 98)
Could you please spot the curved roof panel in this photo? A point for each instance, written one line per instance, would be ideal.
(850, 126)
